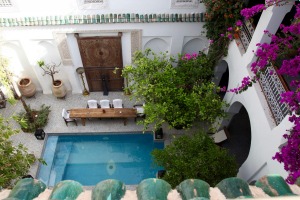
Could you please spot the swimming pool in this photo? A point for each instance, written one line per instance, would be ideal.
(90, 159)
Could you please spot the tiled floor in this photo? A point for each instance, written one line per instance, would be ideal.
(57, 125)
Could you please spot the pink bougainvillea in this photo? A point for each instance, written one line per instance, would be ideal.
(250, 12)
(286, 49)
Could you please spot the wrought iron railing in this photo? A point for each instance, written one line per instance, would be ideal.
(272, 87)
(246, 33)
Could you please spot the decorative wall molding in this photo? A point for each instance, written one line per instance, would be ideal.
(102, 19)
(136, 41)
(62, 45)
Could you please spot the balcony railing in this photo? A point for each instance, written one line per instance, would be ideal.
(246, 33)
(272, 87)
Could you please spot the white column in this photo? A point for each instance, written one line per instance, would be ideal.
(176, 45)
(74, 78)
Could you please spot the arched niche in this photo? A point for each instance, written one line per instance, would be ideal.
(194, 45)
(17, 61)
(157, 45)
(48, 52)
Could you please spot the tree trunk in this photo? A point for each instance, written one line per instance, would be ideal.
(25, 106)
(27, 109)
(52, 77)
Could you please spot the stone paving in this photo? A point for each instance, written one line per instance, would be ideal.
(57, 125)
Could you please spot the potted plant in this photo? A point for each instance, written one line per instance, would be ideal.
(26, 87)
(58, 87)
(30, 117)
(40, 117)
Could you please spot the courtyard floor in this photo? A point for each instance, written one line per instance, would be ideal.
(56, 123)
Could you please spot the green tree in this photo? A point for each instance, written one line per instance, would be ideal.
(6, 81)
(195, 156)
(178, 95)
(15, 160)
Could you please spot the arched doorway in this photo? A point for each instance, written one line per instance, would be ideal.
(239, 138)
(224, 83)
(221, 76)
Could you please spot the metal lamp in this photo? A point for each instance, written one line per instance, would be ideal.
(80, 71)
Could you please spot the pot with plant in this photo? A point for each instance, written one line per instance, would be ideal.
(58, 87)
(26, 87)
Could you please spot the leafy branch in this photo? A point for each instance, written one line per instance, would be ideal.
(49, 69)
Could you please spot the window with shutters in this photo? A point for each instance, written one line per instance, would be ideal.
(185, 3)
(93, 1)
(5, 3)
(91, 4)
(7, 6)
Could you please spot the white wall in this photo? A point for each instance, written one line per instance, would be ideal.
(37, 42)
(266, 137)
(70, 7)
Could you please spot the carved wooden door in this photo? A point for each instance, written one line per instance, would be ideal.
(100, 56)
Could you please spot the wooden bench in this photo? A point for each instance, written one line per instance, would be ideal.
(85, 113)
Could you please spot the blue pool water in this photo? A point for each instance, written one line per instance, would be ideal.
(90, 159)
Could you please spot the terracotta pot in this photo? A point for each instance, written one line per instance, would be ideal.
(59, 89)
(27, 87)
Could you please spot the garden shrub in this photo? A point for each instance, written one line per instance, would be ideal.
(195, 157)
(40, 119)
(15, 160)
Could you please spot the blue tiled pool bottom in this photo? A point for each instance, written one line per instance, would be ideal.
(90, 159)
